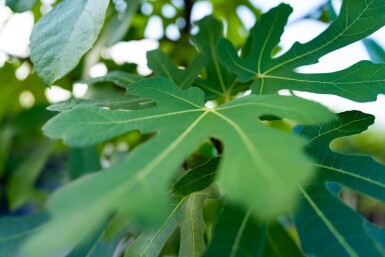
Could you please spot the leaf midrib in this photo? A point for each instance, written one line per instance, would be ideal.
(265, 169)
(357, 176)
(176, 208)
(323, 82)
(214, 56)
(22, 234)
(163, 225)
(237, 240)
(120, 190)
(348, 124)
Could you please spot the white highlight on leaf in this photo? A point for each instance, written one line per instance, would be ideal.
(211, 104)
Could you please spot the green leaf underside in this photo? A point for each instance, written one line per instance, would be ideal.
(186, 215)
(378, 234)
(14, 231)
(182, 124)
(218, 81)
(61, 37)
(119, 25)
(198, 178)
(320, 209)
(279, 243)
(360, 82)
(376, 52)
(162, 65)
(97, 245)
(20, 5)
(237, 233)
(21, 187)
(120, 78)
(126, 102)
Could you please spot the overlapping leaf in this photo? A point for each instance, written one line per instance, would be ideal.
(120, 78)
(218, 81)
(118, 26)
(238, 233)
(21, 187)
(186, 215)
(15, 230)
(110, 100)
(376, 52)
(249, 173)
(162, 65)
(64, 35)
(191, 190)
(20, 5)
(198, 178)
(361, 82)
(98, 245)
(326, 226)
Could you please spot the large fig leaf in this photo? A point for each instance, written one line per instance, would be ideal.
(61, 37)
(344, 232)
(361, 82)
(249, 173)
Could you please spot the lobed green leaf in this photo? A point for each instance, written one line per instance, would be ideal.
(344, 232)
(139, 182)
(360, 82)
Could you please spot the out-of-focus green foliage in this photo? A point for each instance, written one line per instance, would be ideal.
(187, 163)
